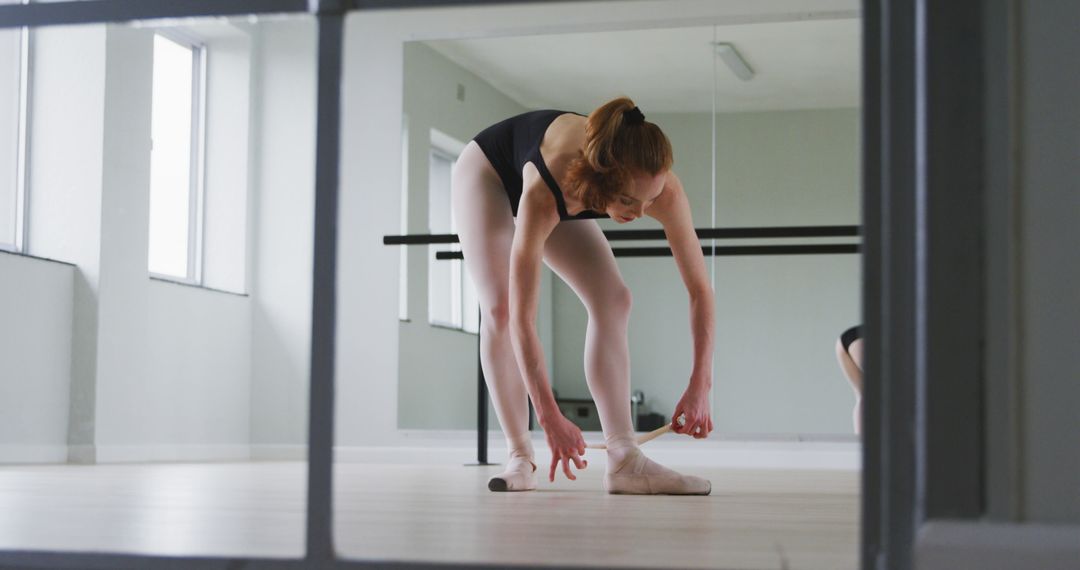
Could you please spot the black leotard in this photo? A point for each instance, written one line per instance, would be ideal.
(511, 143)
(849, 336)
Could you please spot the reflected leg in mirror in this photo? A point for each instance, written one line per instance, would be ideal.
(486, 229)
(849, 352)
(579, 253)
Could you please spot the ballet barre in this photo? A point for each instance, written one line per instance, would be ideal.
(718, 251)
(702, 233)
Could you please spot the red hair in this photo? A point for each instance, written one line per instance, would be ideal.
(616, 147)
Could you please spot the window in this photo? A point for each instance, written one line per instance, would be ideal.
(452, 300)
(176, 159)
(14, 104)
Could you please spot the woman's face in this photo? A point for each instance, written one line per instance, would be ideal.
(635, 199)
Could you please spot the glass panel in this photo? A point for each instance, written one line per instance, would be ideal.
(761, 108)
(157, 403)
(741, 153)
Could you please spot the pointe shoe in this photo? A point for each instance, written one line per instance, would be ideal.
(640, 475)
(515, 478)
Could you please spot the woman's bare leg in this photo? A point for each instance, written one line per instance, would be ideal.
(485, 226)
(579, 253)
(851, 364)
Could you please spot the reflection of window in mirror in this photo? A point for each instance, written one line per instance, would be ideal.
(452, 301)
(14, 48)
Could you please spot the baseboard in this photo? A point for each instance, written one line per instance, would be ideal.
(82, 454)
(948, 545)
(265, 452)
(13, 454)
(183, 453)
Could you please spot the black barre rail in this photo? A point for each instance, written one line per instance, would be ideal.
(718, 251)
(703, 233)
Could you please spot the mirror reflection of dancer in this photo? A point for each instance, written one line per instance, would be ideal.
(527, 189)
(849, 352)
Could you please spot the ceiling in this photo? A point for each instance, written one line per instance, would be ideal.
(810, 64)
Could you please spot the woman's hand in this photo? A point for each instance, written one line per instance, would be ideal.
(566, 443)
(694, 408)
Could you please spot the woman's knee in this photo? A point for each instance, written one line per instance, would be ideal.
(495, 317)
(615, 301)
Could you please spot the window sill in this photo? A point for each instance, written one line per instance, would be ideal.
(195, 286)
(28, 256)
(451, 328)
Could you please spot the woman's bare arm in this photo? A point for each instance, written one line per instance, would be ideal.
(537, 218)
(672, 209)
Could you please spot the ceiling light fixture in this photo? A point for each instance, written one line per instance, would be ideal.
(734, 60)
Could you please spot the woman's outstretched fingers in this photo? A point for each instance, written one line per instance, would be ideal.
(554, 465)
(566, 469)
(579, 461)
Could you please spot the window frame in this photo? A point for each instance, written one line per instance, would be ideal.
(197, 164)
(436, 149)
(22, 156)
(450, 148)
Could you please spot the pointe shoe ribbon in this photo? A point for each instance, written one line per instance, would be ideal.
(641, 439)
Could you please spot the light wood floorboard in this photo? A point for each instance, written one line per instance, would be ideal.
(755, 519)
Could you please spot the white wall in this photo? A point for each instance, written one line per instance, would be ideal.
(157, 370)
(35, 349)
(367, 399)
(283, 217)
(437, 366)
(65, 216)
(228, 98)
(173, 363)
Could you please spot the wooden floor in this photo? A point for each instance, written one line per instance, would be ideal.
(754, 519)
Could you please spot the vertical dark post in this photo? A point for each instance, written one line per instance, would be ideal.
(952, 200)
(893, 109)
(481, 407)
(872, 546)
(320, 541)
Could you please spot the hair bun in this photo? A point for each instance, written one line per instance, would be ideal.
(633, 116)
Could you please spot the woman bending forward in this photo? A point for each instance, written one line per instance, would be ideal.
(528, 189)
